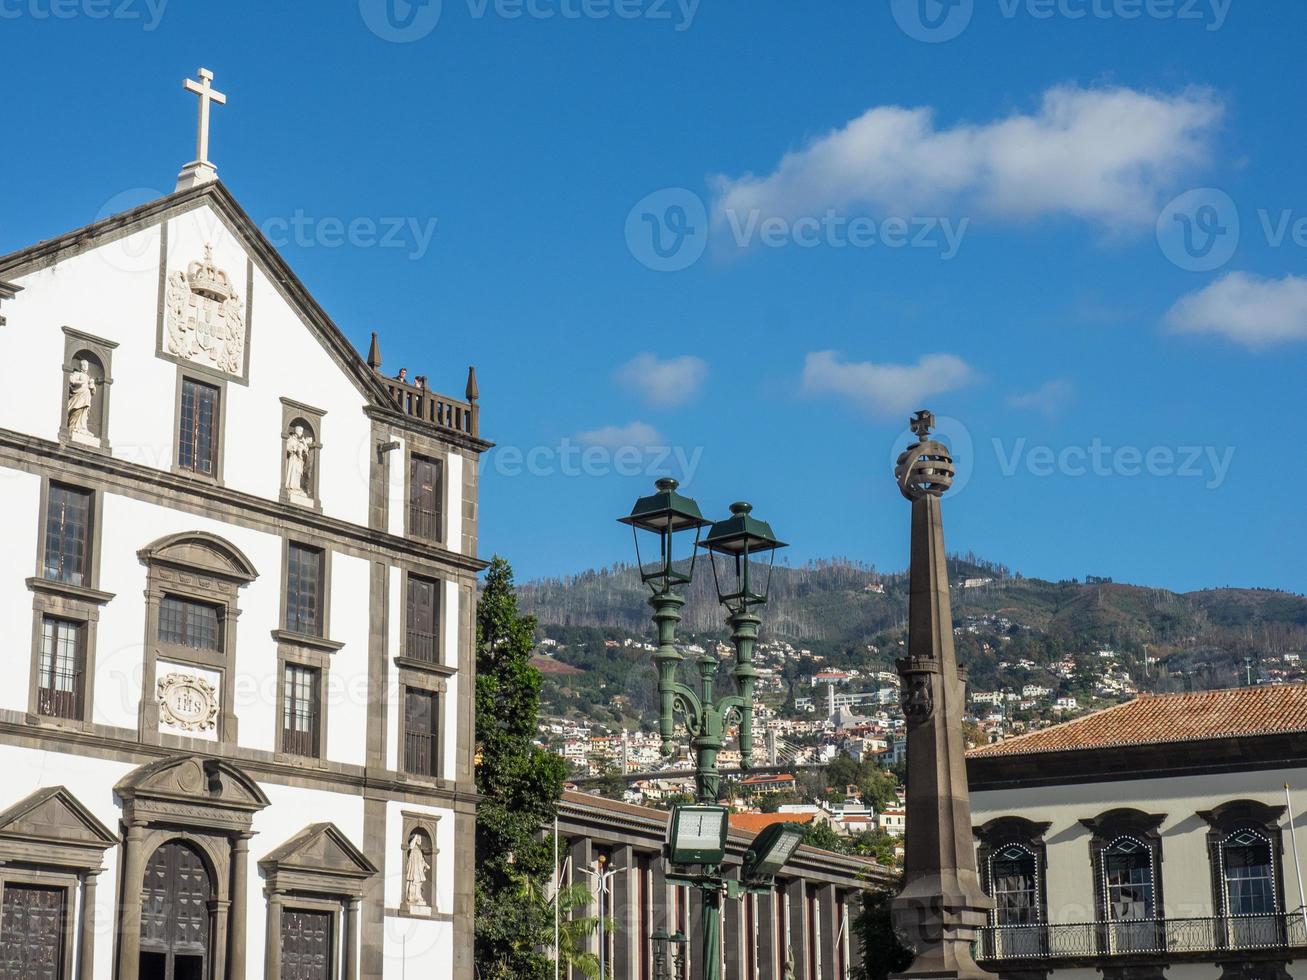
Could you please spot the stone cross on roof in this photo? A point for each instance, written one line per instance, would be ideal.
(922, 423)
(200, 170)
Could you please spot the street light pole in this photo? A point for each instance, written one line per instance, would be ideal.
(737, 539)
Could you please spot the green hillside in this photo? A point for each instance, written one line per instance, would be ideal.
(1165, 640)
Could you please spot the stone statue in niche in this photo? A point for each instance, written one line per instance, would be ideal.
(415, 875)
(81, 393)
(298, 446)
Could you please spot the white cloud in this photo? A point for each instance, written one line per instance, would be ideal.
(638, 435)
(1103, 154)
(887, 389)
(1050, 397)
(664, 384)
(1245, 308)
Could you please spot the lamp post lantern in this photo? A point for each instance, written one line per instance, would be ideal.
(697, 834)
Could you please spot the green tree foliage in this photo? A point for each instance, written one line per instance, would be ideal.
(883, 951)
(574, 928)
(520, 784)
(875, 844)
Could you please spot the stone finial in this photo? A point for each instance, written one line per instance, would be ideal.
(374, 353)
(925, 468)
(473, 392)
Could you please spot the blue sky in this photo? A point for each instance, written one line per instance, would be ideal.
(1130, 404)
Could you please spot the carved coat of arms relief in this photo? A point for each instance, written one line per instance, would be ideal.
(187, 702)
(204, 320)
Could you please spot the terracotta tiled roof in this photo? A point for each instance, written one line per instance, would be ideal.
(756, 823)
(1152, 719)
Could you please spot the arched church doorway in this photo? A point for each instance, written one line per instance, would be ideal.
(175, 899)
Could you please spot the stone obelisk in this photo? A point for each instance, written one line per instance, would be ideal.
(942, 904)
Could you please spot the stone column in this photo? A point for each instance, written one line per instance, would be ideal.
(272, 938)
(851, 910)
(582, 853)
(129, 934)
(219, 917)
(240, 854)
(832, 943)
(695, 933)
(733, 933)
(771, 957)
(628, 943)
(86, 934)
(942, 904)
(796, 895)
(352, 940)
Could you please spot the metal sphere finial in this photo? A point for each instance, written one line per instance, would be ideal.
(925, 468)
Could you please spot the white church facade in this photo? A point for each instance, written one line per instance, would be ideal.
(236, 701)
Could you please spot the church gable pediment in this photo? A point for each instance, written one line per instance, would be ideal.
(320, 848)
(192, 785)
(205, 317)
(54, 815)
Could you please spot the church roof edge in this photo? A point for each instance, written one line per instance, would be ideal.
(378, 389)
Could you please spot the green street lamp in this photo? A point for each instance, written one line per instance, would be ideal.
(771, 850)
(739, 540)
(696, 834)
(668, 967)
(665, 514)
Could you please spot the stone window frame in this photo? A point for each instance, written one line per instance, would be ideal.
(293, 883)
(78, 603)
(439, 454)
(1110, 827)
(428, 824)
(203, 582)
(290, 637)
(324, 589)
(71, 861)
(405, 658)
(75, 342)
(210, 379)
(1230, 818)
(290, 653)
(1002, 832)
(431, 683)
(292, 411)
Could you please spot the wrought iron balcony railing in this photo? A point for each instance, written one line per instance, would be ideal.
(1142, 937)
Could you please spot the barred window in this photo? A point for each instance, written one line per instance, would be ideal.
(197, 435)
(421, 719)
(423, 619)
(63, 656)
(304, 590)
(189, 623)
(68, 535)
(300, 711)
(424, 494)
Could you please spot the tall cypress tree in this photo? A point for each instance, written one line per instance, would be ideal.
(520, 784)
